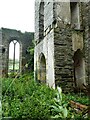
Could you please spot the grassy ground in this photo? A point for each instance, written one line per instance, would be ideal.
(25, 98)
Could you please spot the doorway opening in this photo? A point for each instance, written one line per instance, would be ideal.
(42, 69)
(79, 69)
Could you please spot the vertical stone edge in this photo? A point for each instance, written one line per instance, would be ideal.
(0, 74)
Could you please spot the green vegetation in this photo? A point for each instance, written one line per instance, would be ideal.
(58, 106)
(79, 97)
(25, 98)
(11, 64)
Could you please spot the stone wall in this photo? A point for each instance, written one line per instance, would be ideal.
(63, 46)
(68, 45)
(24, 39)
(63, 57)
(86, 29)
(48, 15)
(46, 46)
(37, 4)
(48, 6)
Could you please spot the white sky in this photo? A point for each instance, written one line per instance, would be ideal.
(17, 14)
(11, 50)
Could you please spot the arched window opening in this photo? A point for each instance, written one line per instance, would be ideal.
(41, 21)
(42, 69)
(79, 70)
(75, 15)
(14, 51)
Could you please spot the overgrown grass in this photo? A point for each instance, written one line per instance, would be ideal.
(25, 98)
(79, 97)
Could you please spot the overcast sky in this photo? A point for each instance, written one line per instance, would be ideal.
(17, 14)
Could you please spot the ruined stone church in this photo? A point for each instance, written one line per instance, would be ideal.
(62, 43)
(23, 39)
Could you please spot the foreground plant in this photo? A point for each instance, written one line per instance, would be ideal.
(59, 108)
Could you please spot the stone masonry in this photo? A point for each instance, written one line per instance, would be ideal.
(62, 39)
(24, 39)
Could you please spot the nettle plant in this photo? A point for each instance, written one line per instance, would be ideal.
(59, 108)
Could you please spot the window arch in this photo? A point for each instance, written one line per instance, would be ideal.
(75, 15)
(41, 21)
(14, 57)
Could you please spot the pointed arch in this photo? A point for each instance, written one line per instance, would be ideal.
(14, 56)
(42, 69)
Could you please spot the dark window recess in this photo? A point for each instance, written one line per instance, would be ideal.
(41, 21)
(75, 16)
(3, 50)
